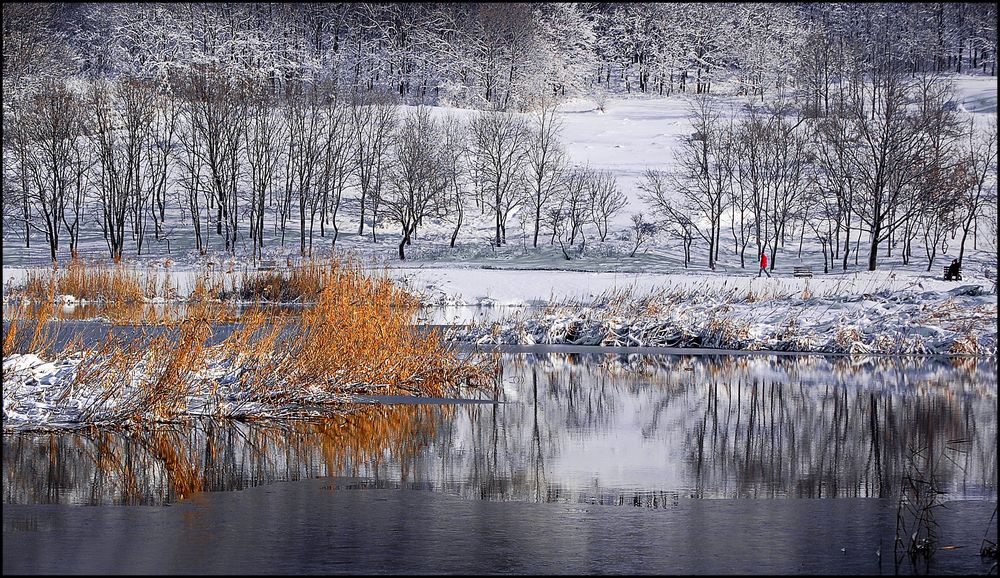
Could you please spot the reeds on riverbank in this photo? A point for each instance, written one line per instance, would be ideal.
(900, 322)
(357, 338)
(91, 281)
(97, 282)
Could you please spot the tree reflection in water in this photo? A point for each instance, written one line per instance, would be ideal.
(636, 430)
(161, 464)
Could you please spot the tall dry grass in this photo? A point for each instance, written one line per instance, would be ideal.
(166, 314)
(92, 281)
(120, 294)
(357, 338)
(25, 334)
(302, 283)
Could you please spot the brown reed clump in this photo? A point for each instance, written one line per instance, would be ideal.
(142, 375)
(846, 337)
(211, 284)
(85, 281)
(295, 284)
(966, 343)
(128, 313)
(357, 339)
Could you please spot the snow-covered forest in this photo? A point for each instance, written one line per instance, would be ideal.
(238, 127)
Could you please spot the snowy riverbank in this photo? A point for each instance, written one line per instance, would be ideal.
(961, 320)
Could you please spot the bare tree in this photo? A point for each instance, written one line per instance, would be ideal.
(498, 148)
(937, 190)
(265, 140)
(979, 164)
(821, 213)
(655, 190)
(306, 128)
(136, 104)
(935, 222)
(374, 122)
(18, 167)
(889, 157)
(53, 123)
(559, 219)
(740, 199)
(576, 205)
(546, 162)
(702, 180)
(641, 232)
(338, 158)
(835, 178)
(455, 152)
(163, 131)
(417, 176)
(189, 179)
(216, 106)
(78, 193)
(786, 173)
(770, 169)
(606, 200)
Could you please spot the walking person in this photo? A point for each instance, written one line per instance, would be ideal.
(763, 266)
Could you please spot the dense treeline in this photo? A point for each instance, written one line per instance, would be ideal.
(506, 54)
(249, 118)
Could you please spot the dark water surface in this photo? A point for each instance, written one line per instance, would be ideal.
(578, 463)
(321, 526)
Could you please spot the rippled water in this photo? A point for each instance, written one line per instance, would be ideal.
(577, 463)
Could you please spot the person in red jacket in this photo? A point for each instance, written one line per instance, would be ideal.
(763, 265)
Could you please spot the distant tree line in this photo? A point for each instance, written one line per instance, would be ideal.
(892, 165)
(501, 55)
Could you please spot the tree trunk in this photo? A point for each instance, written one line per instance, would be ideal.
(538, 222)
(873, 256)
(458, 225)
(402, 243)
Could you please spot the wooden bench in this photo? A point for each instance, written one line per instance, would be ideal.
(803, 272)
(947, 275)
(267, 265)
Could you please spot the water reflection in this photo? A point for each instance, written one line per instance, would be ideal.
(635, 430)
(165, 463)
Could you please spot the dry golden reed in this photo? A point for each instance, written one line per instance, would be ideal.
(27, 335)
(92, 281)
(357, 338)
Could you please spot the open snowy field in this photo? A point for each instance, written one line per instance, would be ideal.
(633, 134)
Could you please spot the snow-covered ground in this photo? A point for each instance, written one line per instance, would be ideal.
(631, 135)
(959, 321)
(50, 393)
